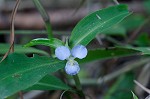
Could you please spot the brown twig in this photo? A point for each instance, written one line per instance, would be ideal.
(12, 34)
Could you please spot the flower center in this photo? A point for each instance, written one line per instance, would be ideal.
(71, 61)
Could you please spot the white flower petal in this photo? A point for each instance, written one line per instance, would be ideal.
(79, 51)
(62, 52)
(72, 67)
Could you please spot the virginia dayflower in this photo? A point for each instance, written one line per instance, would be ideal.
(72, 66)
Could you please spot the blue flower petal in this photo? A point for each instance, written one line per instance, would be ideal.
(62, 52)
(79, 51)
(72, 67)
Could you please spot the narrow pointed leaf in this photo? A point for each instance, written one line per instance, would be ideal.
(18, 72)
(19, 49)
(49, 82)
(101, 54)
(134, 96)
(97, 23)
(121, 88)
(114, 52)
(143, 50)
(54, 43)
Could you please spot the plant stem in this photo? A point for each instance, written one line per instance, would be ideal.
(78, 86)
(12, 34)
(116, 2)
(46, 19)
(12, 30)
(49, 29)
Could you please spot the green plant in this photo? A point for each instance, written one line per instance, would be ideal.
(35, 73)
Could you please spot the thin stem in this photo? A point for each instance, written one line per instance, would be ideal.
(12, 29)
(46, 19)
(66, 94)
(49, 29)
(61, 96)
(12, 34)
(77, 81)
(116, 2)
(80, 5)
(78, 86)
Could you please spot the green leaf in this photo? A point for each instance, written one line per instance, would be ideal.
(121, 89)
(143, 50)
(116, 30)
(19, 49)
(114, 52)
(96, 23)
(134, 96)
(18, 72)
(132, 22)
(54, 43)
(49, 82)
(100, 54)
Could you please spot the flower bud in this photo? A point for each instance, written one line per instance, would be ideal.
(72, 67)
(62, 52)
(79, 51)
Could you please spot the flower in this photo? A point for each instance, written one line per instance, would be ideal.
(79, 51)
(72, 66)
(62, 52)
